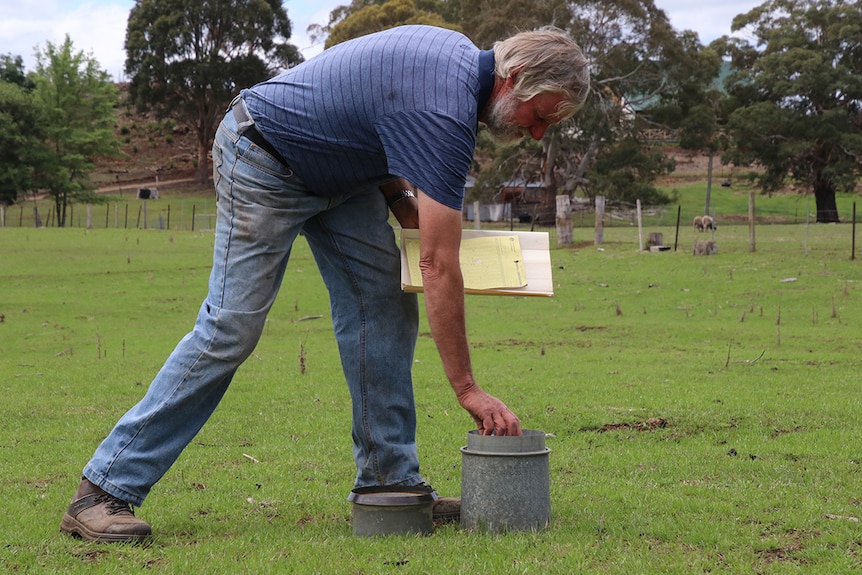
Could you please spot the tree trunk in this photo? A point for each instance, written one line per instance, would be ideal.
(824, 198)
(551, 145)
(60, 205)
(587, 159)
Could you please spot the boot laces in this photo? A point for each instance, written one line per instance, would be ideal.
(115, 505)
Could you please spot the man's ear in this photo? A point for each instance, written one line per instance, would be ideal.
(512, 78)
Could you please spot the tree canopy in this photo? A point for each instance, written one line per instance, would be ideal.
(486, 21)
(20, 138)
(188, 58)
(378, 17)
(12, 71)
(363, 17)
(796, 97)
(75, 99)
(20, 129)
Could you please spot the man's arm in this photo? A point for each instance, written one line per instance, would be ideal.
(443, 285)
(401, 198)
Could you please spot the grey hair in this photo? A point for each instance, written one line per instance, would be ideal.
(545, 60)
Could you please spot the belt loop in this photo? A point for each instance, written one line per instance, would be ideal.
(240, 113)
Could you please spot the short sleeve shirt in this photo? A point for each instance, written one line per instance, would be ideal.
(402, 102)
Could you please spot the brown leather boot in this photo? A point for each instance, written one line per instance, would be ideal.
(446, 510)
(95, 515)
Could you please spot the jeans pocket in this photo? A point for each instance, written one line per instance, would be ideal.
(218, 161)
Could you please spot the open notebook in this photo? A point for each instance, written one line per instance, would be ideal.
(492, 262)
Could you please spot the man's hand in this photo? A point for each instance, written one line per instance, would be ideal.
(491, 415)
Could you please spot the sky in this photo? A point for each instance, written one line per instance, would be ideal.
(98, 27)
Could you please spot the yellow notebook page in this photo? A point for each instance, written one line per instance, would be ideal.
(492, 262)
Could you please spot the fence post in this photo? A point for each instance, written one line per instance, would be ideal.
(564, 219)
(751, 244)
(600, 220)
(477, 220)
(640, 226)
(853, 242)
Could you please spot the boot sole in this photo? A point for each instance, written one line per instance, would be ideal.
(71, 526)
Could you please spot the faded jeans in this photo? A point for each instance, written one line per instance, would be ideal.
(262, 208)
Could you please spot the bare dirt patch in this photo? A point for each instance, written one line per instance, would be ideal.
(650, 424)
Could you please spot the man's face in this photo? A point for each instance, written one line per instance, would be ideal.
(510, 119)
(500, 120)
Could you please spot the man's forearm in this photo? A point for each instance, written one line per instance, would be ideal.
(444, 303)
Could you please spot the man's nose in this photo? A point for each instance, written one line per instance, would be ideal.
(538, 131)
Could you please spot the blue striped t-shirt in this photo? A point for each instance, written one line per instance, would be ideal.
(402, 102)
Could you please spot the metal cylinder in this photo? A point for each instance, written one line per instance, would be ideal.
(391, 510)
(505, 482)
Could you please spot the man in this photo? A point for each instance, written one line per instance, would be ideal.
(310, 151)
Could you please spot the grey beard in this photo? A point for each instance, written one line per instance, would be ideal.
(499, 122)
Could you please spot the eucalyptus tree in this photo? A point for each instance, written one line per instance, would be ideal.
(638, 63)
(694, 106)
(796, 96)
(188, 58)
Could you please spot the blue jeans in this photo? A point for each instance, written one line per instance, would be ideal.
(262, 208)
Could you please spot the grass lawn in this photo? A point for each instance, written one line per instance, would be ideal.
(702, 411)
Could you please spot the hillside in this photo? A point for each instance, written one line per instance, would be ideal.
(152, 149)
(162, 149)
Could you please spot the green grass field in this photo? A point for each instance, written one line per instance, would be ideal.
(702, 411)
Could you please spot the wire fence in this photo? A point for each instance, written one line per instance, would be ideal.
(176, 214)
(197, 212)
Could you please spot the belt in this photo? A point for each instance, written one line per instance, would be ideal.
(247, 128)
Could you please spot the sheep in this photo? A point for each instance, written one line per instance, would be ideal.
(698, 223)
(708, 223)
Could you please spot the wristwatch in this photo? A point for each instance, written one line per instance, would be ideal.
(400, 196)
